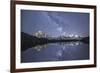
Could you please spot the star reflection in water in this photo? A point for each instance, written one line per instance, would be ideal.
(56, 52)
(63, 45)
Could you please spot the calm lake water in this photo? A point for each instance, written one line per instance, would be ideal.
(56, 52)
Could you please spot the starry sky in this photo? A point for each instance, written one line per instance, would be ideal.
(55, 23)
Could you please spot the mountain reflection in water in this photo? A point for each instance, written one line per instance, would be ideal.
(56, 52)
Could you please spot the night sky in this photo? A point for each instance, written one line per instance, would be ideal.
(55, 23)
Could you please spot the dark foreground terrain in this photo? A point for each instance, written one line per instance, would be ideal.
(28, 41)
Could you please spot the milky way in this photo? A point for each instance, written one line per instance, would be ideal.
(55, 23)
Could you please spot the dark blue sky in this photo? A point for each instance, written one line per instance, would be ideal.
(55, 23)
